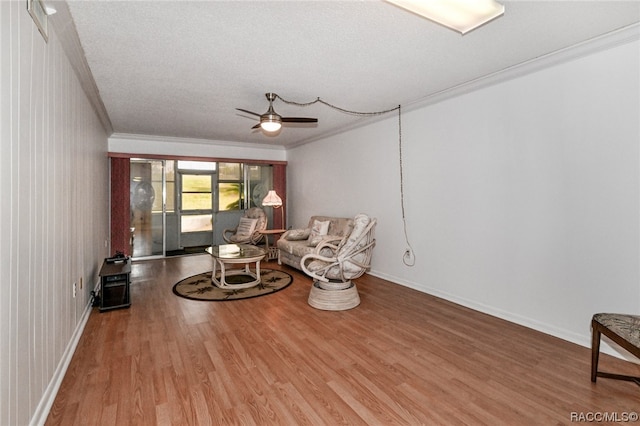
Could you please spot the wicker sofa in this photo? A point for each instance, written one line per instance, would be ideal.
(295, 243)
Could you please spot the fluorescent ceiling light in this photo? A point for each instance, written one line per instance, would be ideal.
(459, 15)
(48, 9)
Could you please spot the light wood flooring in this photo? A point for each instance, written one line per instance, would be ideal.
(401, 358)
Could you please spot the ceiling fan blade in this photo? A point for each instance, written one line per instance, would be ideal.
(257, 126)
(249, 112)
(299, 120)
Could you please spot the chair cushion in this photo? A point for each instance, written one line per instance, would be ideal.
(625, 326)
(349, 270)
(351, 244)
(260, 216)
(245, 228)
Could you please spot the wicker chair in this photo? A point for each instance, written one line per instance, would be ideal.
(248, 230)
(336, 262)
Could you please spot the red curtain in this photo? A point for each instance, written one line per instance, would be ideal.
(120, 207)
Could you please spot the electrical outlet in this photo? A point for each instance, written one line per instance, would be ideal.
(409, 258)
(74, 290)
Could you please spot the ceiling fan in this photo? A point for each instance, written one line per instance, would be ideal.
(271, 121)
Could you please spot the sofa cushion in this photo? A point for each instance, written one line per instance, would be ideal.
(299, 248)
(338, 226)
(297, 234)
(318, 231)
(292, 250)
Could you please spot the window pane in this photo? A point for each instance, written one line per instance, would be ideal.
(197, 223)
(196, 165)
(171, 202)
(230, 171)
(157, 201)
(255, 173)
(169, 171)
(196, 183)
(196, 201)
(156, 171)
(260, 182)
(229, 196)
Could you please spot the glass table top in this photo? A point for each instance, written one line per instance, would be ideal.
(235, 251)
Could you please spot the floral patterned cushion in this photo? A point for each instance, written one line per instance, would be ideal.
(318, 231)
(245, 228)
(625, 326)
(291, 250)
(297, 234)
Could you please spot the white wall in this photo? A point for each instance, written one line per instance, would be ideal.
(54, 218)
(522, 198)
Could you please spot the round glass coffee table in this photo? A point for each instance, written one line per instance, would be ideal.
(232, 254)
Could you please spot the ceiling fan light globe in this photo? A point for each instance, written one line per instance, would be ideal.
(270, 126)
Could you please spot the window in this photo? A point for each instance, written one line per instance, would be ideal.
(230, 186)
(163, 218)
(196, 195)
(196, 192)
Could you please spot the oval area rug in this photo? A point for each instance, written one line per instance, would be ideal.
(200, 287)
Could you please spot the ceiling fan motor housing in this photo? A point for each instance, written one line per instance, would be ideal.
(271, 116)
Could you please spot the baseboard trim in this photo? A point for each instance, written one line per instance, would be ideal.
(50, 393)
(607, 346)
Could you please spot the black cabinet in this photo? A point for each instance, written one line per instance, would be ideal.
(114, 283)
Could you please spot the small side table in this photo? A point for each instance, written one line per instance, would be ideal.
(272, 252)
(114, 283)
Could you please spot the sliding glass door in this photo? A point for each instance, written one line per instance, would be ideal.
(147, 207)
(179, 207)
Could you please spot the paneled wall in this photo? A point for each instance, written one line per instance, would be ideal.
(54, 219)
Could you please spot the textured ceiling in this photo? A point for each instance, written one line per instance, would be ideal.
(180, 68)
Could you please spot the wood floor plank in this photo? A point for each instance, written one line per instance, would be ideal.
(401, 357)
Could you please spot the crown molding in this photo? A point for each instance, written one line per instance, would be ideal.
(174, 139)
(65, 30)
(589, 47)
(607, 41)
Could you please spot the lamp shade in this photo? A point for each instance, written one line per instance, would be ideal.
(459, 15)
(272, 199)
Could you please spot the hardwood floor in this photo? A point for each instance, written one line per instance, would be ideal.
(401, 357)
